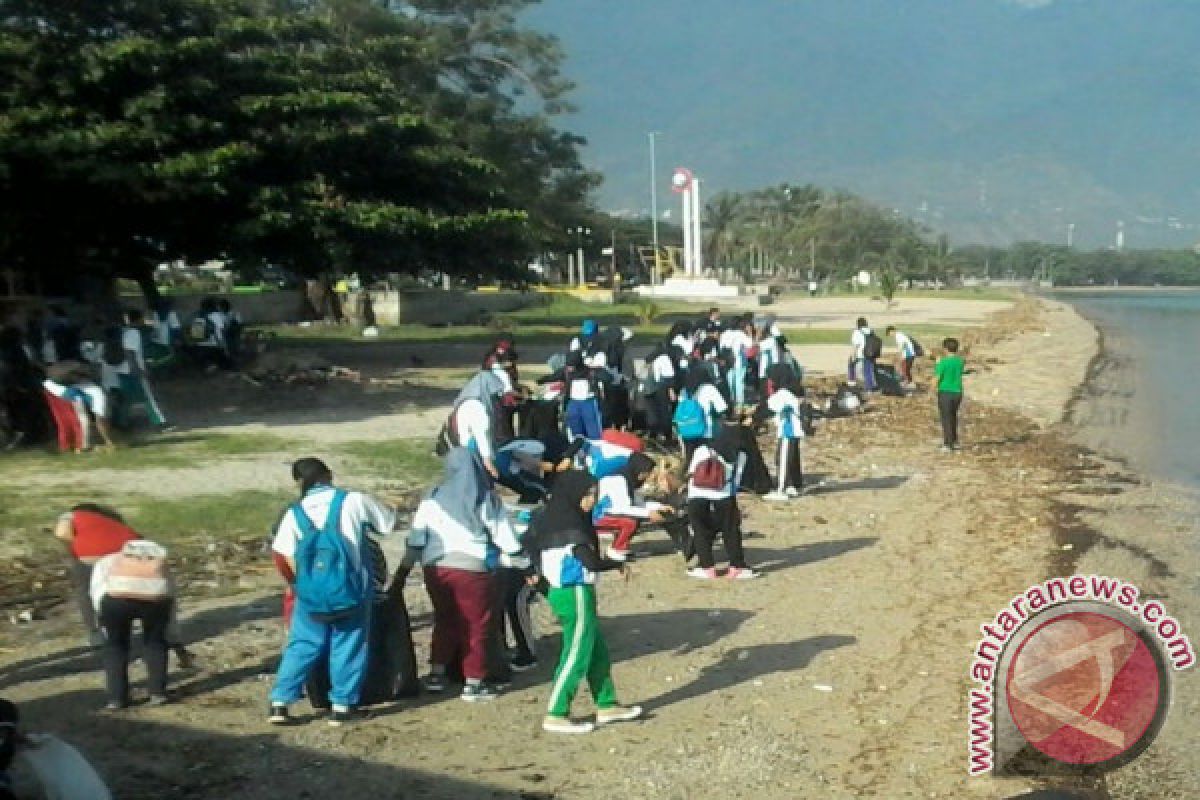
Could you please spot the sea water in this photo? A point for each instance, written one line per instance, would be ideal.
(1152, 412)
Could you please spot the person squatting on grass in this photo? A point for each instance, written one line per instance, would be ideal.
(321, 539)
(460, 531)
(948, 374)
(567, 554)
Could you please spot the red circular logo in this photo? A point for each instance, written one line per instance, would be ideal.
(1085, 688)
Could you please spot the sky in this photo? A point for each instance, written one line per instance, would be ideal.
(995, 120)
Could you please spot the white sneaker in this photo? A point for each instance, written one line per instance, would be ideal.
(565, 725)
(607, 716)
(792, 492)
(618, 555)
(741, 574)
(775, 496)
(701, 573)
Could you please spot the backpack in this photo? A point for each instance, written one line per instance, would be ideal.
(327, 581)
(139, 572)
(689, 418)
(872, 345)
(710, 474)
(201, 328)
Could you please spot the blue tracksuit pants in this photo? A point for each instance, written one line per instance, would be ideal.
(343, 642)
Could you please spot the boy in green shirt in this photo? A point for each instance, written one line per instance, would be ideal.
(948, 374)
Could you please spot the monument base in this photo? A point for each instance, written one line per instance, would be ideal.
(690, 289)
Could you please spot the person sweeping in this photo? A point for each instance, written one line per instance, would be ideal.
(568, 555)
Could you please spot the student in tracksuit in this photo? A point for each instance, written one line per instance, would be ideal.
(620, 507)
(583, 405)
(474, 416)
(569, 559)
(343, 641)
(738, 342)
(460, 531)
(714, 511)
(660, 392)
(786, 407)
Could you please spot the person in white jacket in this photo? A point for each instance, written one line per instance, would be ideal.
(460, 531)
(786, 406)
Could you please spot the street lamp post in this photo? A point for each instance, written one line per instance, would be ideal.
(580, 231)
(654, 206)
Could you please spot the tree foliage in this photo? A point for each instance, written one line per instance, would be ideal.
(316, 134)
(784, 229)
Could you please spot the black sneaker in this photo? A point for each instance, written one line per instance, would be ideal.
(339, 718)
(478, 693)
(279, 714)
(522, 662)
(435, 682)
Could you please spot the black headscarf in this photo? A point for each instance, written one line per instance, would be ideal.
(728, 442)
(562, 522)
(634, 467)
(697, 376)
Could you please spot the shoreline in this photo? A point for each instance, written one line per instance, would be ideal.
(1129, 523)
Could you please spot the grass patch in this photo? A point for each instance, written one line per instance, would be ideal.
(209, 517)
(409, 460)
(166, 451)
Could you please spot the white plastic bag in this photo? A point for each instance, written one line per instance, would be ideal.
(64, 774)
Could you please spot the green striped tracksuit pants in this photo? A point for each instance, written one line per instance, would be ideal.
(584, 652)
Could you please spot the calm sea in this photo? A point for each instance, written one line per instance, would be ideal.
(1152, 411)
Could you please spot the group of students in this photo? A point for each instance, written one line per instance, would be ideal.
(581, 496)
(77, 385)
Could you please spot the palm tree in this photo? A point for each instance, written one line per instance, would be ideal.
(721, 215)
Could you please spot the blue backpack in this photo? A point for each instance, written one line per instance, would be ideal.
(689, 419)
(328, 583)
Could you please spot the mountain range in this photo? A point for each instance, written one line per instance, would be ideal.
(993, 121)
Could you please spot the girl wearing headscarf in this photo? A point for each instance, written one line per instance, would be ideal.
(681, 342)
(658, 389)
(473, 417)
(714, 473)
(620, 508)
(702, 388)
(569, 558)
(455, 535)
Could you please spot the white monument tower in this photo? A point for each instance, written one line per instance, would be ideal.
(690, 283)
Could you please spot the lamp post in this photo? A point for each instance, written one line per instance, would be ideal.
(580, 231)
(654, 205)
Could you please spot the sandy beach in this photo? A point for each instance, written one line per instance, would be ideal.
(843, 672)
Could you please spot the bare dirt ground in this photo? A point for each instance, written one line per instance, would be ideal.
(841, 673)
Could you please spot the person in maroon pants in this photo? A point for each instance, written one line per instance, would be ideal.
(457, 534)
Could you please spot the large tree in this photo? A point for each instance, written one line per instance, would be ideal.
(332, 134)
